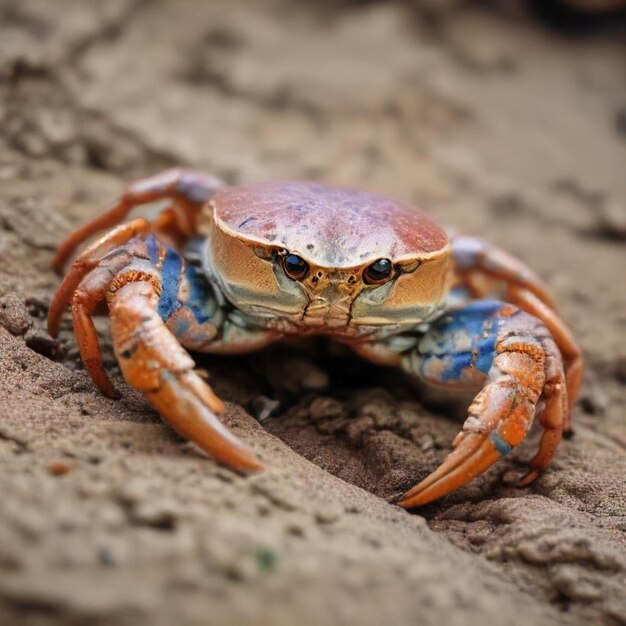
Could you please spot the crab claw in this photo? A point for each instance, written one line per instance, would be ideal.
(191, 408)
(472, 456)
(117, 268)
(154, 362)
(526, 378)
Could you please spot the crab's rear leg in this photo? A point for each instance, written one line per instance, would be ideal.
(187, 190)
(481, 266)
(511, 357)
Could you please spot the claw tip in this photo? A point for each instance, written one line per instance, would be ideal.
(524, 481)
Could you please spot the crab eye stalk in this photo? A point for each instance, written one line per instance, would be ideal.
(295, 267)
(378, 272)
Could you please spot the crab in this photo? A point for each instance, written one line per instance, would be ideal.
(232, 269)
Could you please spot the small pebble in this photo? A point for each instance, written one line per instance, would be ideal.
(41, 342)
(324, 408)
(428, 443)
(61, 467)
(14, 315)
(612, 221)
(105, 556)
(266, 559)
(263, 407)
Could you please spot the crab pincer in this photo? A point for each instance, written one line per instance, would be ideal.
(523, 376)
(153, 361)
(130, 270)
(150, 357)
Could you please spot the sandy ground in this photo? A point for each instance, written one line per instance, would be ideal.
(501, 126)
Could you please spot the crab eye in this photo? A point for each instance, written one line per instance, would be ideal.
(378, 272)
(295, 267)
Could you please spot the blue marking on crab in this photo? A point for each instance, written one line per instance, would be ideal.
(502, 446)
(171, 275)
(198, 301)
(153, 249)
(460, 342)
(170, 283)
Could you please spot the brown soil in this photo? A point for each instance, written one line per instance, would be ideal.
(502, 126)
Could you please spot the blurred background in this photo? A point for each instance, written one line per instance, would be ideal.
(504, 119)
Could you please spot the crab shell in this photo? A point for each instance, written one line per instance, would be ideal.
(338, 232)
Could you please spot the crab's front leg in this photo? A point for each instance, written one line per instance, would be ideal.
(482, 267)
(157, 305)
(511, 359)
(153, 361)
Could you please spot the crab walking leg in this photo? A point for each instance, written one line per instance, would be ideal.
(87, 261)
(139, 258)
(563, 338)
(153, 361)
(513, 357)
(89, 294)
(474, 258)
(188, 190)
(553, 417)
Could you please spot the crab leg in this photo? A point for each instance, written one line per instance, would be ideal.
(141, 279)
(188, 190)
(95, 255)
(476, 260)
(572, 355)
(513, 357)
(153, 361)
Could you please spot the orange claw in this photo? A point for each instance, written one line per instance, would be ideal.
(473, 456)
(115, 268)
(191, 409)
(526, 368)
(154, 362)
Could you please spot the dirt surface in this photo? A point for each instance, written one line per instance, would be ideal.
(500, 125)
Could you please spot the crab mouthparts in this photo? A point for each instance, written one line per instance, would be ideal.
(322, 312)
